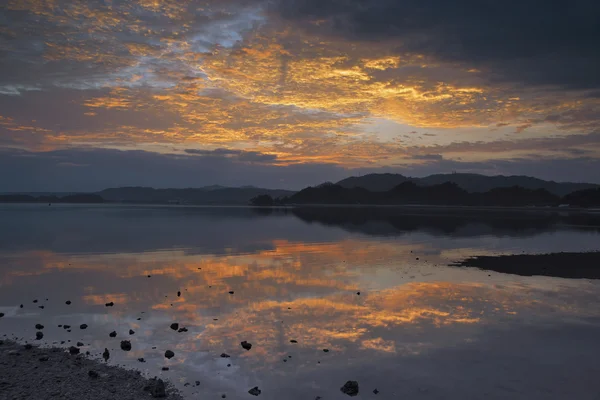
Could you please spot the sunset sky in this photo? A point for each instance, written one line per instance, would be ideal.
(290, 93)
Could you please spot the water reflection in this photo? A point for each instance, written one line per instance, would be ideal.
(416, 322)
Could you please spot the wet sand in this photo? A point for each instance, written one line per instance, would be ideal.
(31, 372)
(584, 265)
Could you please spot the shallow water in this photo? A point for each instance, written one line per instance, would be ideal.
(419, 329)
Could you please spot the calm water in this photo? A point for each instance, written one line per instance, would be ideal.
(419, 329)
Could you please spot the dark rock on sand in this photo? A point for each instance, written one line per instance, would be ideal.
(246, 345)
(66, 326)
(231, 292)
(375, 391)
(326, 350)
(125, 345)
(68, 302)
(225, 355)
(42, 307)
(39, 335)
(21, 306)
(197, 383)
(165, 368)
(175, 326)
(109, 304)
(255, 391)
(106, 354)
(350, 388)
(182, 330)
(358, 293)
(293, 341)
(73, 350)
(178, 294)
(35, 301)
(131, 331)
(141, 359)
(113, 334)
(79, 344)
(1, 314)
(169, 354)
(83, 326)
(39, 326)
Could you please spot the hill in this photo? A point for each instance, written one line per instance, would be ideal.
(470, 182)
(409, 193)
(208, 195)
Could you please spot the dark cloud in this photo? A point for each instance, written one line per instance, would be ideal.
(530, 41)
(240, 155)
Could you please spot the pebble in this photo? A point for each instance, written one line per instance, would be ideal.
(175, 326)
(39, 335)
(1, 314)
(113, 334)
(375, 391)
(131, 332)
(68, 302)
(178, 294)
(293, 341)
(165, 368)
(125, 345)
(169, 354)
(231, 292)
(182, 330)
(326, 350)
(246, 345)
(73, 350)
(79, 344)
(66, 326)
(255, 391)
(109, 304)
(83, 326)
(39, 326)
(197, 383)
(106, 354)
(350, 388)
(225, 355)
(141, 359)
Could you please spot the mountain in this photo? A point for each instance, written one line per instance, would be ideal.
(409, 193)
(469, 182)
(212, 195)
(583, 198)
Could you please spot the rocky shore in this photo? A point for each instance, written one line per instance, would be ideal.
(31, 372)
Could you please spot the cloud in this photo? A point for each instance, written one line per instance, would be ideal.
(240, 155)
(535, 42)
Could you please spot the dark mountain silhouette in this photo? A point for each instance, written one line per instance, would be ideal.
(468, 182)
(206, 195)
(583, 198)
(409, 193)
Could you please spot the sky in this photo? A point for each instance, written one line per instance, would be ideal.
(291, 93)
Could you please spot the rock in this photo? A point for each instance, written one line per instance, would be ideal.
(318, 398)
(66, 326)
(1, 314)
(113, 334)
(225, 355)
(223, 396)
(42, 307)
(182, 330)
(68, 302)
(175, 326)
(79, 344)
(39, 335)
(35, 301)
(139, 319)
(149, 276)
(60, 326)
(169, 354)
(358, 293)
(106, 354)
(43, 358)
(228, 365)
(293, 341)
(39, 326)
(178, 294)
(125, 345)
(158, 389)
(68, 330)
(28, 346)
(231, 292)
(141, 359)
(375, 391)
(83, 326)
(350, 388)
(73, 350)
(21, 306)
(197, 383)
(246, 345)
(109, 304)
(326, 350)
(165, 368)
(255, 391)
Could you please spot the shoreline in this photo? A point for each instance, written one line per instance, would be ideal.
(572, 265)
(32, 372)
